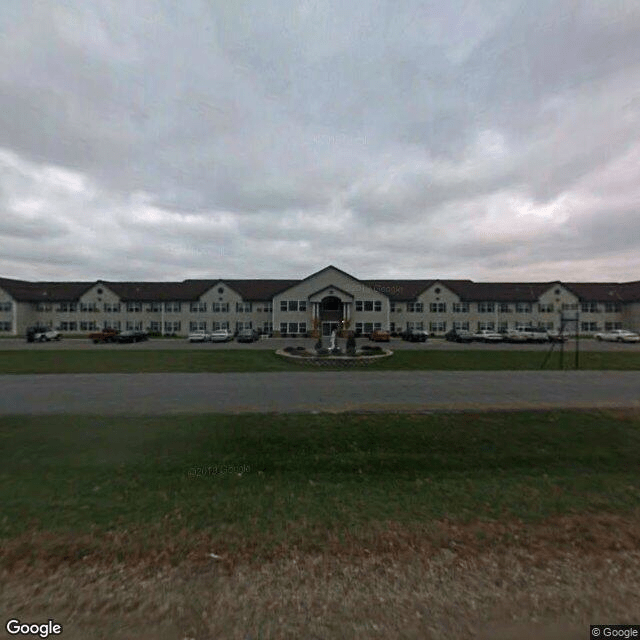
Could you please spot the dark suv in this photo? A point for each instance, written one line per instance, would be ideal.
(248, 335)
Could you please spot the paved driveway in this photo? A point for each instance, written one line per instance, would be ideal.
(168, 393)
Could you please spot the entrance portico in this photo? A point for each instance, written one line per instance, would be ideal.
(331, 308)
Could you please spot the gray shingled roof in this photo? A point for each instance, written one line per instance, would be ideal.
(262, 290)
(44, 291)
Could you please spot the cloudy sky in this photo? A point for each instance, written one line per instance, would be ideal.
(155, 140)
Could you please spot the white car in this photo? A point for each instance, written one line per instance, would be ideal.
(198, 336)
(221, 335)
(43, 334)
(618, 335)
(486, 335)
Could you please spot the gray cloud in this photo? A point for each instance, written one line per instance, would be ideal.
(461, 139)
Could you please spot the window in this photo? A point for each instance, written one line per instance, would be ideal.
(437, 327)
(198, 325)
(589, 307)
(172, 326)
(610, 326)
(67, 307)
(612, 307)
(438, 307)
(268, 308)
(220, 289)
(283, 305)
(459, 325)
(198, 307)
(134, 325)
(153, 307)
(5, 326)
(88, 306)
(112, 307)
(115, 324)
(486, 307)
(486, 326)
(218, 326)
(523, 307)
(293, 327)
(588, 326)
(358, 327)
(504, 307)
(570, 306)
(460, 307)
(395, 307)
(134, 307)
(87, 325)
(302, 306)
(243, 307)
(415, 307)
(267, 327)
(154, 327)
(368, 305)
(220, 307)
(171, 307)
(6, 306)
(545, 308)
(293, 305)
(503, 325)
(368, 328)
(417, 326)
(41, 306)
(283, 328)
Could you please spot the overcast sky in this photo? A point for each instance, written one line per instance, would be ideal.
(161, 140)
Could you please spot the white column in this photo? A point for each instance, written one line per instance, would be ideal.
(14, 306)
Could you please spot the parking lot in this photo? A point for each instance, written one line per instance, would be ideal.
(436, 344)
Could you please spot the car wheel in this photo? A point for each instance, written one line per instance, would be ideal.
(599, 338)
(619, 339)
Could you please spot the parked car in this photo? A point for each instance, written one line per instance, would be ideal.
(199, 336)
(42, 334)
(131, 336)
(248, 335)
(556, 336)
(527, 334)
(516, 336)
(379, 335)
(106, 335)
(221, 335)
(618, 335)
(414, 335)
(486, 335)
(458, 335)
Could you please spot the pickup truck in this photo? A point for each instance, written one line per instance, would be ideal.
(42, 334)
(106, 335)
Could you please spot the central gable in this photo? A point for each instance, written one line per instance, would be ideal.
(321, 280)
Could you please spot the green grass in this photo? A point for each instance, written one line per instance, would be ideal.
(306, 476)
(223, 360)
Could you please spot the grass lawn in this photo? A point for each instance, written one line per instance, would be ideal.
(262, 482)
(150, 361)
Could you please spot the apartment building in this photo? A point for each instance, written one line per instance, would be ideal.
(326, 300)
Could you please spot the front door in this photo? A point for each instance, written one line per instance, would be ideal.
(328, 327)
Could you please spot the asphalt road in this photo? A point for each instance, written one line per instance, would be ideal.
(174, 393)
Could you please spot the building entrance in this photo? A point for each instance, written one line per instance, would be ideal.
(328, 327)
